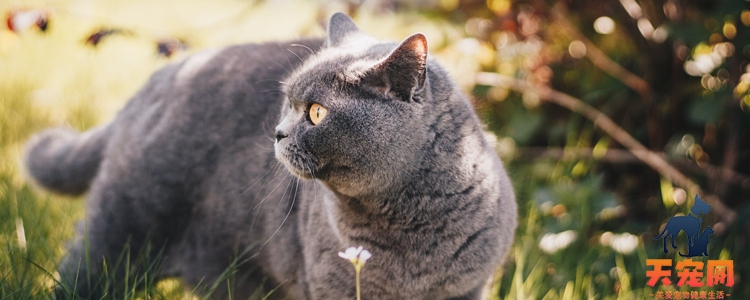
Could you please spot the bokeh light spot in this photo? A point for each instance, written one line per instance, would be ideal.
(646, 28)
(729, 30)
(604, 25)
(577, 49)
(500, 7)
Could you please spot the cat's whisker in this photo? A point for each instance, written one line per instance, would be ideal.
(262, 176)
(267, 80)
(295, 54)
(276, 174)
(266, 174)
(257, 211)
(282, 65)
(274, 189)
(285, 56)
(266, 146)
(271, 90)
(263, 143)
(303, 46)
(287, 214)
(283, 197)
(269, 129)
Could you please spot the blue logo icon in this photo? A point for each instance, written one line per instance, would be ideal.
(691, 225)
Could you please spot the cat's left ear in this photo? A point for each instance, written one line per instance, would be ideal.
(403, 72)
(339, 27)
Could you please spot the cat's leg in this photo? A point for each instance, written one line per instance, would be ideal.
(122, 238)
(674, 236)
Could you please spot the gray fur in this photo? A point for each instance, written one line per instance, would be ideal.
(399, 166)
(64, 161)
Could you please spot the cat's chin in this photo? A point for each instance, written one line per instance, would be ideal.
(300, 173)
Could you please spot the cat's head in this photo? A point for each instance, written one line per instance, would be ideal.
(353, 114)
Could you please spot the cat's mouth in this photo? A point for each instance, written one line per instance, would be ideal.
(296, 161)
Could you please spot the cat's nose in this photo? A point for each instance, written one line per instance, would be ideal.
(280, 135)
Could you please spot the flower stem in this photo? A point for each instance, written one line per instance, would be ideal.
(357, 268)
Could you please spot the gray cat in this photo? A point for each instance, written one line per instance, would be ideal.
(390, 154)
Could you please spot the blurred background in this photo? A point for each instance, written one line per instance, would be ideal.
(609, 115)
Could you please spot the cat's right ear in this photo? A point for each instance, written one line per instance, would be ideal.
(404, 71)
(339, 27)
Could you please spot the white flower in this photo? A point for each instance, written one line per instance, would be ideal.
(351, 253)
(624, 243)
(364, 255)
(552, 242)
(357, 255)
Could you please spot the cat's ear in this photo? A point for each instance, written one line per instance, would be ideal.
(339, 27)
(403, 71)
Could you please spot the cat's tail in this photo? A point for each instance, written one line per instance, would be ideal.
(64, 160)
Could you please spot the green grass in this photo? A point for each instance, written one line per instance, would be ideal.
(52, 79)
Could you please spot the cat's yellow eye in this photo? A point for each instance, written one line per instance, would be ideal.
(317, 113)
